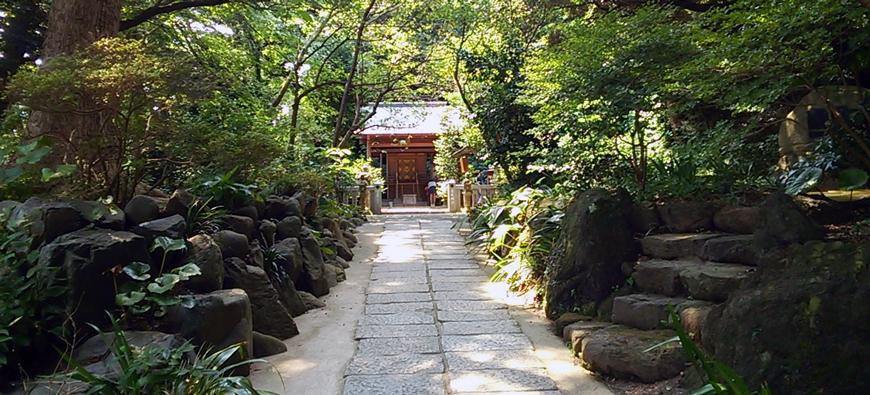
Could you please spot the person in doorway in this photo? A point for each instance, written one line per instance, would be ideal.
(431, 188)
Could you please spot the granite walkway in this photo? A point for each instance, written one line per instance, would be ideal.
(429, 326)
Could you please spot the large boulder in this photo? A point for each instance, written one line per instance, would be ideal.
(206, 254)
(288, 254)
(248, 211)
(343, 251)
(620, 352)
(644, 217)
(266, 346)
(280, 207)
(782, 222)
(597, 239)
(232, 244)
(96, 356)
(268, 230)
(333, 226)
(269, 314)
(311, 301)
(49, 219)
(687, 216)
(350, 238)
(174, 227)
(290, 297)
(313, 276)
(735, 219)
(179, 203)
(87, 258)
(142, 208)
(801, 322)
(289, 227)
(240, 224)
(217, 320)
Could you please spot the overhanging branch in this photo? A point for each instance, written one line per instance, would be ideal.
(153, 11)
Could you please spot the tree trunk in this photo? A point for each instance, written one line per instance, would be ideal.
(73, 25)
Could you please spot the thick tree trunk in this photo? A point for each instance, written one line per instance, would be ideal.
(73, 25)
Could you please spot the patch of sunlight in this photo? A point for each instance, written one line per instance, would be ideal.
(499, 291)
(289, 367)
(845, 196)
(472, 381)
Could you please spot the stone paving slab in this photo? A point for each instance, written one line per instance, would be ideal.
(480, 327)
(468, 305)
(410, 384)
(392, 308)
(399, 267)
(553, 392)
(397, 319)
(479, 360)
(454, 286)
(480, 315)
(450, 257)
(386, 287)
(506, 341)
(455, 273)
(461, 295)
(431, 327)
(500, 380)
(399, 297)
(410, 330)
(398, 275)
(396, 364)
(399, 280)
(448, 265)
(399, 345)
(460, 279)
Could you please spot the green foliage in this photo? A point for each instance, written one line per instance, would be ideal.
(153, 370)
(807, 172)
(450, 143)
(203, 218)
(225, 191)
(519, 232)
(21, 172)
(721, 379)
(140, 296)
(31, 316)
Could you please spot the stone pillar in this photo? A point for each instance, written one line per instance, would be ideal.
(373, 196)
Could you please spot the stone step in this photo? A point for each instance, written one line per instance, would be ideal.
(648, 311)
(714, 281)
(708, 281)
(717, 247)
(675, 245)
(620, 352)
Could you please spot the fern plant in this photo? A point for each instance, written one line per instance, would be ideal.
(519, 232)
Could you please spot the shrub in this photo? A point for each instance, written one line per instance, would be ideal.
(31, 317)
(156, 370)
(519, 231)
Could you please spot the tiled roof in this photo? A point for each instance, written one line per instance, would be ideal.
(412, 118)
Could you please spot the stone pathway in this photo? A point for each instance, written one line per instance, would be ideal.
(429, 327)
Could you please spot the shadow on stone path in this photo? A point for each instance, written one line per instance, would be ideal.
(430, 327)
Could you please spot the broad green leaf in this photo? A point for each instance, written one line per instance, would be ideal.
(852, 179)
(164, 283)
(803, 181)
(130, 298)
(187, 271)
(168, 244)
(138, 271)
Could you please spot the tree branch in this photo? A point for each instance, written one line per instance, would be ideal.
(158, 9)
